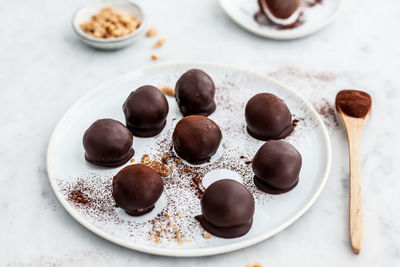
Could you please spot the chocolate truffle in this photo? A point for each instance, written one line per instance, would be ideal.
(194, 93)
(136, 188)
(196, 138)
(268, 117)
(108, 143)
(146, 110)
(276, 167)
(227, 208)
(281, 12)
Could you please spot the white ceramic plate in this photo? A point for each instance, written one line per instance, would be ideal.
(315, 18)
(85, 190)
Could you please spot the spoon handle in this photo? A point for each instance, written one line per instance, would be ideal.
(355, 208)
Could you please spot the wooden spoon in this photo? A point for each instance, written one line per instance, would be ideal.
(353, 107)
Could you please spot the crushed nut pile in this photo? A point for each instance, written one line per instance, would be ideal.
(109, 23)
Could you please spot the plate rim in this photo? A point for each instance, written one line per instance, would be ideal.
(174, 252)
(283, 35)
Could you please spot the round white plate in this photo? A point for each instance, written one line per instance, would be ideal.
(85, 190)
(315, 18)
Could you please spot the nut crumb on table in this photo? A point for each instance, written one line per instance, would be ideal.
(152, 32)
(159, 43)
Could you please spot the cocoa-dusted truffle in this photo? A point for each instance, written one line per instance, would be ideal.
(146, 110)
(268, 117)
(281, 12)
(136, 188)
(194, 93)
(276, 167)
(227, 208)
(196, 138)
(108, 143)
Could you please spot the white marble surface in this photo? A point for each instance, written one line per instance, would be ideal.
(44, 69)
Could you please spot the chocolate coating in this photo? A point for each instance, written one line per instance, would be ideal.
(227, 208)
(136, 188)
(281, 9)
(108, 143)
(196, 138)
(276, 167)
(194, 93)
(146, 110)
(268, 117)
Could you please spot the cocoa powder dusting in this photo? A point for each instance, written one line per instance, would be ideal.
(173, 221)
(327, 112)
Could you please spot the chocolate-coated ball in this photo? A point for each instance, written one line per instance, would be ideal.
(136, 188)
(194, 93)
(108, 143)
(146, 110)
(276, 167)
(196, 138)
(268, 117)
(227, 208)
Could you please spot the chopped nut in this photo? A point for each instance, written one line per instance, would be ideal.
(170, 224)
(151, 237)
(145, 159)
(207, 236)
(187, 169)
(152, 32)
(166, 215)
(180, 240)
(157, 241)
(159, 43)
(178, 212)
(165, 158)
(176, 230)
(154, 57)
(132, 160)
(160, 168)
(109, 23)
(177, 160)
(168, 91)
(172, 168)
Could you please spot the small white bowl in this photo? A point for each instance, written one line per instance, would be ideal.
(85, 13)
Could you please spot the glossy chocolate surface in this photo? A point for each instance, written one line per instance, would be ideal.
(194, 93)
(227, 208)
(281, 9)
(146, 110)
(196, 138)
(108, 143)
(268, 117)
(136, 188)
(276, 167)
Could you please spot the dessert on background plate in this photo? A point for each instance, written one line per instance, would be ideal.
(282, 19)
